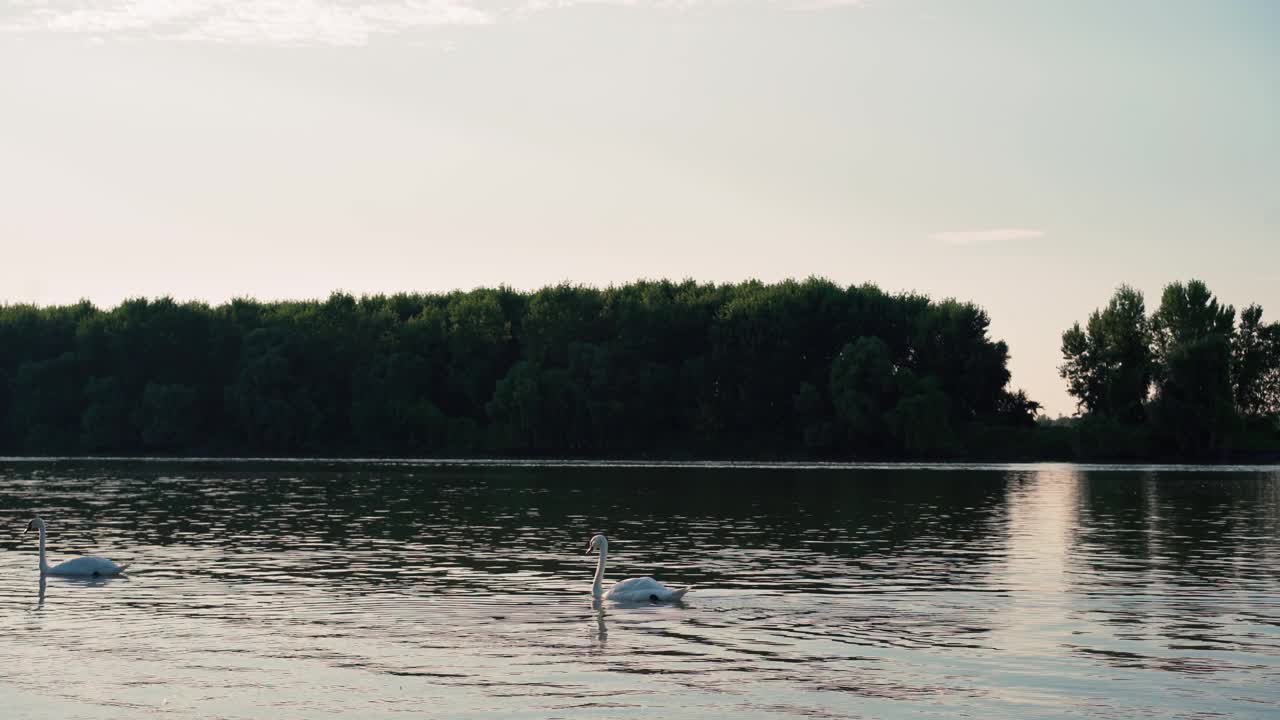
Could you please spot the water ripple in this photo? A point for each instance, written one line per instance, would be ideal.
(305, 589)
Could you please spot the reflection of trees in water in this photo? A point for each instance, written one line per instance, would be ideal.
(890, 524)
(1218, 529)
(1181, 556)
(1114, 510)
(818, 575)
(1191, 527)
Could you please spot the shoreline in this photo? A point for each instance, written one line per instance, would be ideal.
(1271, 464)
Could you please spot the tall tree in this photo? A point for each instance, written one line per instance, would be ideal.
(1192, 336)
(1108, 364)
(1255, 365)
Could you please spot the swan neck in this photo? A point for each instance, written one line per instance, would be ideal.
(596, 586)
(44, 564)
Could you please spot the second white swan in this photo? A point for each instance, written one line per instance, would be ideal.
(81, 566)
(631, 590)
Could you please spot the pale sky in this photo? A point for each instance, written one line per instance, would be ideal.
(1026, 156)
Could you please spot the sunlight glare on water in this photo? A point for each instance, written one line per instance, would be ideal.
(393, 589)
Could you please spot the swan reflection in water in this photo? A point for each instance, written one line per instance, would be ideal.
(84, 582)
(602, 630)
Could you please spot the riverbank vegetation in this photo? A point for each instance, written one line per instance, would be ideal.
(1186, 380)
(650, 369)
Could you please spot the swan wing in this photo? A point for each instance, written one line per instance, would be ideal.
(87, 566)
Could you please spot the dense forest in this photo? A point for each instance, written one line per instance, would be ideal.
(646, 369)
(649, 369)
(1185, 381)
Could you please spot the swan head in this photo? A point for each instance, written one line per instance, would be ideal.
(600, 543)
(35, 524)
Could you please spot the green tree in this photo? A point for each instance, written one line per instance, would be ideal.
(1108, 364)
(47, 402)
(1188, 313)
(170, 416)
(920, 421)
(1192, 345)
(812, 415)
(5, 388)
(1018, 410)
(272, 410)
(478, 335)
(106, 425)
(558, 317)
(1255, 365)
(517, 407)
(862, 386)
(749, 369)
(391, 408)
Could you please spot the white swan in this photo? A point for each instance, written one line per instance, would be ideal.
(82, 566)
(631, 590)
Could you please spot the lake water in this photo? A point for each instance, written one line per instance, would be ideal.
(380, 590)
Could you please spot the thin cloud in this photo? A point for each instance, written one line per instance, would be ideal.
(300, 22)
(831, 4)
(982, 237)
(244, 22)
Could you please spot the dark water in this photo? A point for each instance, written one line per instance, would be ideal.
(375, 590)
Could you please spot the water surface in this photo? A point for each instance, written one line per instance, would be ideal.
(293, 589)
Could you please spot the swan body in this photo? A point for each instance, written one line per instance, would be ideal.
(86, 566)
(631, 590)
(643, 589)
(78, 567)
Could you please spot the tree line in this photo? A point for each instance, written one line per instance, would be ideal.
(1184, 380)
(648, 368)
